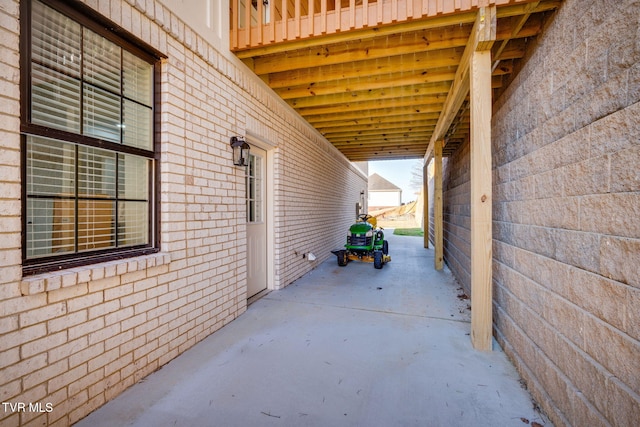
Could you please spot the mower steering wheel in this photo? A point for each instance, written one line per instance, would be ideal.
(364, 217)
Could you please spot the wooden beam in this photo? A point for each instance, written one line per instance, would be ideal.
(372, 104)
(376, 132)
(413, 151)
(482, 36)
(370, 95)
(425, 201)
(437, 206)
(351, 84)
(363, 157)
(358, 116)
(430, 22)
(383, 146)
(400, 126)
(481, 201)
(404, 128)
(359, 122)
(438, 62)
(412, 51)
(514, 33)
(367, 91)
(363, 34)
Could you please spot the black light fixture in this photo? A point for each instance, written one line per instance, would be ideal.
(240, 151)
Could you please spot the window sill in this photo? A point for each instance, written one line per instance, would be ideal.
(46, 282)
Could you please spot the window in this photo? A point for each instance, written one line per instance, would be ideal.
(89, 161)
(254, 189)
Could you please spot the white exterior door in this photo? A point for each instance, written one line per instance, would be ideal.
(256, 223)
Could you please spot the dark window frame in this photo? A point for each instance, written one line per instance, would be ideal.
(97, 23)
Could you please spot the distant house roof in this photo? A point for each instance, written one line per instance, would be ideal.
(378, 183)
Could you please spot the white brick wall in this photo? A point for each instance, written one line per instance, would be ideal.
(78, 337)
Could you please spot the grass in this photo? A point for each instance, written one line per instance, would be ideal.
(408, 232)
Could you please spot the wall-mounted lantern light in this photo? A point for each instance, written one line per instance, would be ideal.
(240, 151)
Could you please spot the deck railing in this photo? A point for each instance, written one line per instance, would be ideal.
(284, 20)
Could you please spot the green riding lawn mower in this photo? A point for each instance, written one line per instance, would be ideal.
(365, 242)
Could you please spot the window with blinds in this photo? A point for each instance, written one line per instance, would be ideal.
(88, 140)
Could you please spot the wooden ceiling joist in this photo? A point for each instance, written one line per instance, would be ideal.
(482, 37)
(361, 83)
(376, 104)
(357, 84)
(370, 95)
(362, 55)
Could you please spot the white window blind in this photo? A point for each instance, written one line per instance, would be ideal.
(86, 192)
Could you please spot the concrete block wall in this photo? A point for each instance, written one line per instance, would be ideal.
(72, 340)
(456, 215)
(567, 139)
(566, 188)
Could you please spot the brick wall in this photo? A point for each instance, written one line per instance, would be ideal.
(566, 187)
(76, 338)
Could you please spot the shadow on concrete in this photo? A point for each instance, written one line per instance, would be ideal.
(342, 346)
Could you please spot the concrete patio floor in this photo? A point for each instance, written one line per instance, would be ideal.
(341, 346)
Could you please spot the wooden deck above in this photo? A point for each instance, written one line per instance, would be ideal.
(374, 77)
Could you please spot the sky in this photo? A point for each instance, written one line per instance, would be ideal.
(397, 172)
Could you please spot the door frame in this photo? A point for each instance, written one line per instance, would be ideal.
(269, 211)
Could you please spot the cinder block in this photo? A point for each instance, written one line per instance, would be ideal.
(611, 214)
(614, 350)
(633, 316)
(588, 177)
(617, 131)
(599, 296)
(623, 407)
(588, 378)
(584, 413)
(625, 170)
(581, 250)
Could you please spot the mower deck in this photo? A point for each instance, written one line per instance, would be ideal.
(367, 258)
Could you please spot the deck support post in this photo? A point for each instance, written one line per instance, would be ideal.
(425, 201)
(437, 205)
(481, 190)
